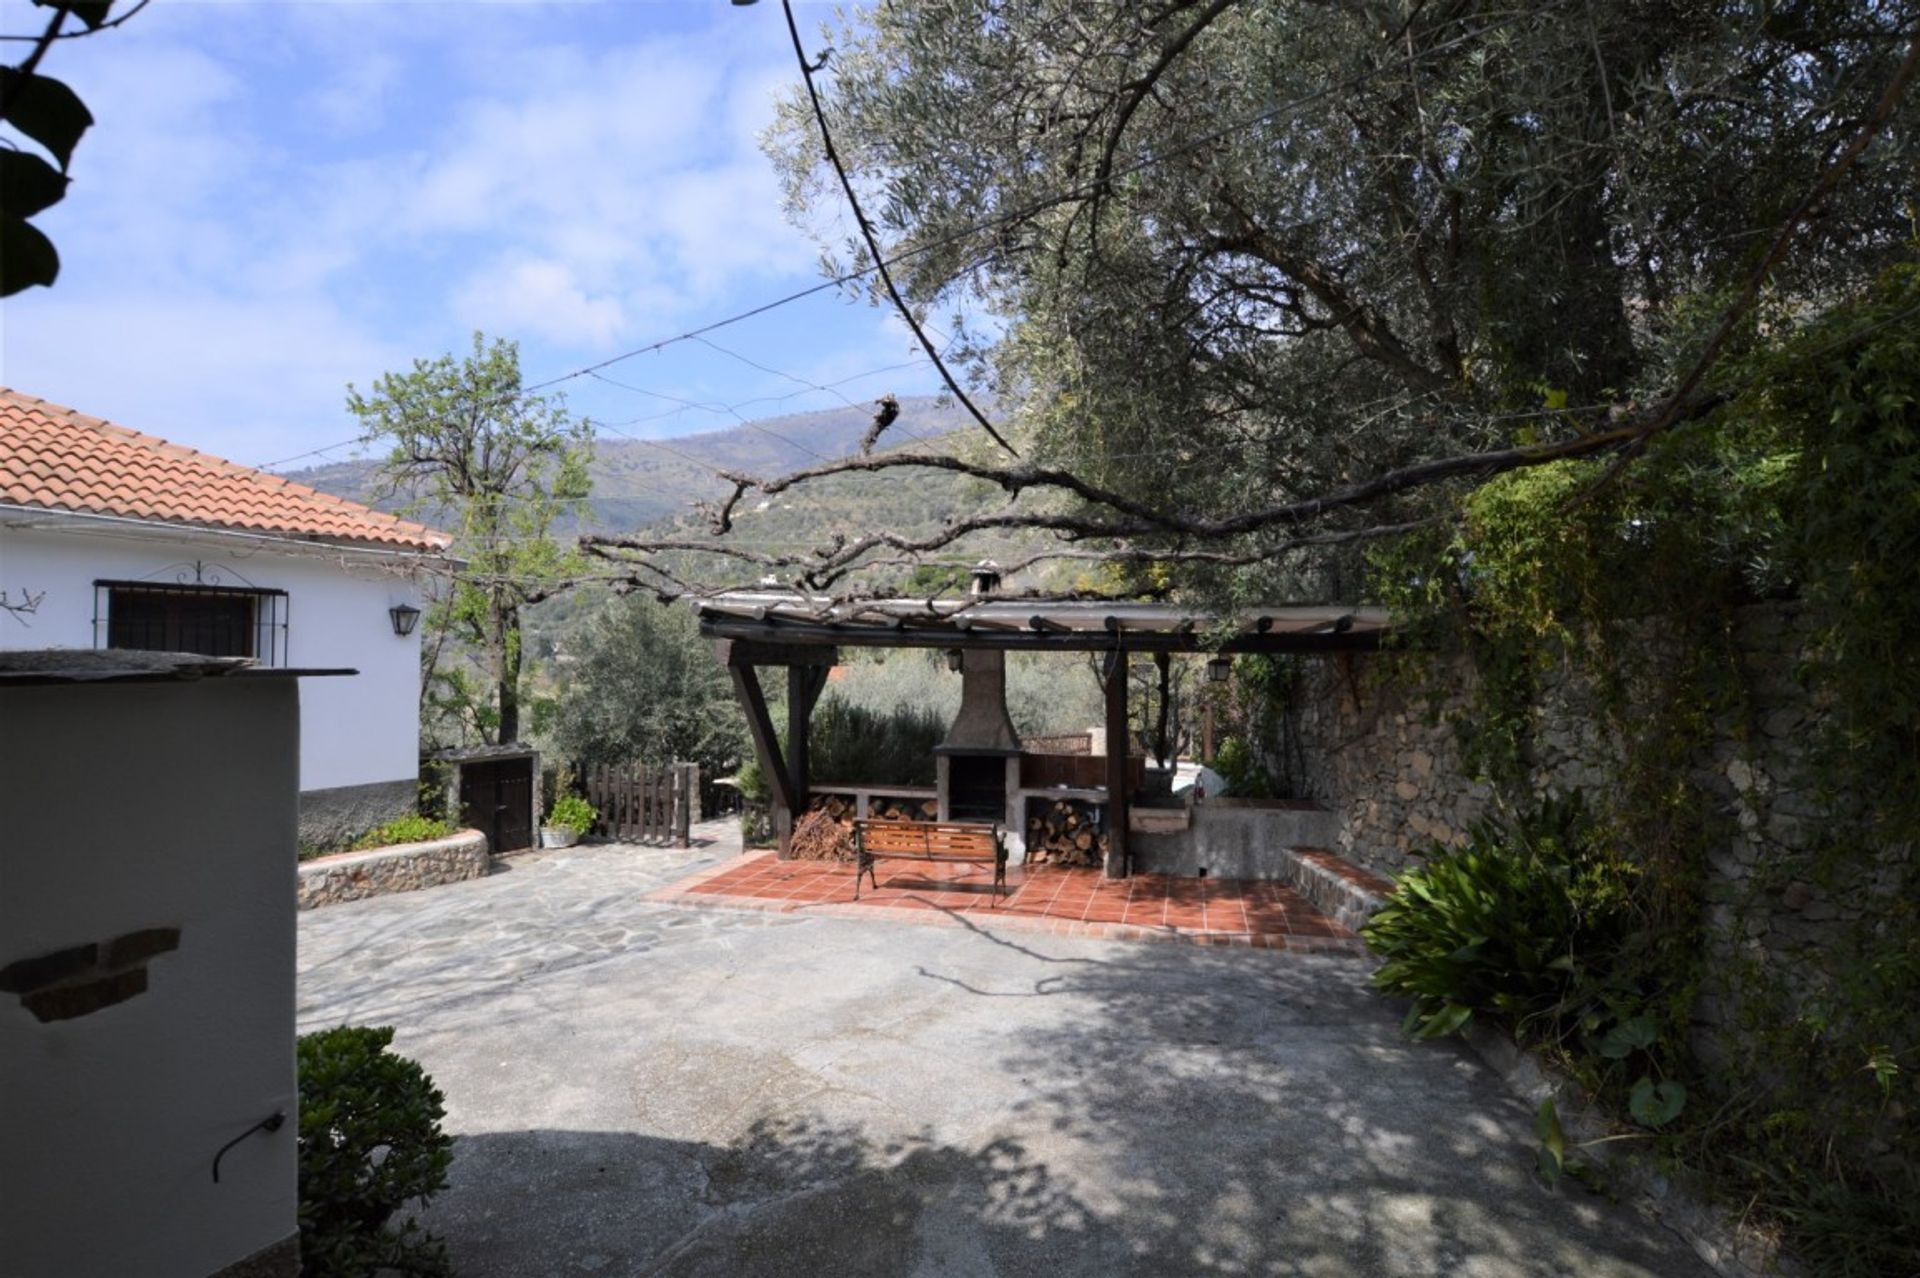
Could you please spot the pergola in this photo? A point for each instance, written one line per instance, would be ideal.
(804, 634)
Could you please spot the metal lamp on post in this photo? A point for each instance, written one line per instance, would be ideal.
(405, 617)
(1220, 668)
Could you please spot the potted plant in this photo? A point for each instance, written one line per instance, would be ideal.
(572, 816)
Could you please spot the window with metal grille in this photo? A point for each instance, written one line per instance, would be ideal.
(214, 621)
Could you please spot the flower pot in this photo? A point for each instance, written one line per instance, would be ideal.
(558, 836)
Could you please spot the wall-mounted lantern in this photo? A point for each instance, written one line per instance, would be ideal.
(1220, 669)
(405, 618)
(953, 660)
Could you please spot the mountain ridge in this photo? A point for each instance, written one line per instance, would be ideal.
(638, 482)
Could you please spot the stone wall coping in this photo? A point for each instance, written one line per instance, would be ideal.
(458, 841)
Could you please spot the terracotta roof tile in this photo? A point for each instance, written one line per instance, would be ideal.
(57, 459)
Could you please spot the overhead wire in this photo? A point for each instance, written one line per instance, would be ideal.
(1042, 203)
(1006, 217)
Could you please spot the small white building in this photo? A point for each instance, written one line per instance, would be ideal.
(147, 966)
(118, 540)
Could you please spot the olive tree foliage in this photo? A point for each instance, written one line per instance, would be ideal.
(1261, 275)
(644, 686)
(469, 448)
(46, 112)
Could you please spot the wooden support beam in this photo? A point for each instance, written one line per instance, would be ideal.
(1116, 689)
(761, 652)
(766, 749)
(804, 684)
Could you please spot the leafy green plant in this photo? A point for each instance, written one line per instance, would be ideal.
(1246, 776)
(756, 821)
(571, 812)
(854, 744)
(1509, 924)
(411, 828)
(370, 1143)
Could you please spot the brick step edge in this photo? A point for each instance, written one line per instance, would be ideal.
(1337, 888)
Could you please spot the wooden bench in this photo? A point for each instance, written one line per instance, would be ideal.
(875, 841)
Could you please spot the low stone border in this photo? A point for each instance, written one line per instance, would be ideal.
(352, 876)
(1727, 1245)
(1338, 889)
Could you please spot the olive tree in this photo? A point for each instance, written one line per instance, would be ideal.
(467, 445)
(644, 685)
(1263, 277)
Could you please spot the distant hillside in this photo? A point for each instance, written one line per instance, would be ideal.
(641, 482)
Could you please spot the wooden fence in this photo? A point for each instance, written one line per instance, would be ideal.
(645, 804)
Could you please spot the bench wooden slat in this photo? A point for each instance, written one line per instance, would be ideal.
(943, 841)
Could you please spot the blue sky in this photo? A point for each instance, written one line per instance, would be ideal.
(279, 197)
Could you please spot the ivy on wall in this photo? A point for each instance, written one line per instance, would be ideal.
(1627, 581)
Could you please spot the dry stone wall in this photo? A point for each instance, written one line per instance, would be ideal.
(405, 867)
(1388, 759)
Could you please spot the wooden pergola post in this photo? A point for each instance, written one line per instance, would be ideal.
(1116, 689)
(804, 685)
(788, 778)
(766, 749)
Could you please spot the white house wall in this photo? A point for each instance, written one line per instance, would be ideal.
(355, 732)
(131, 809)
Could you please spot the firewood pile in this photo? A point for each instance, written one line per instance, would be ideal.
(822, 836)
(825, 833)
(1064, 832)
(891, 808)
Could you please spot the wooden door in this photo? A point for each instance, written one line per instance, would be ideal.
(496, 798)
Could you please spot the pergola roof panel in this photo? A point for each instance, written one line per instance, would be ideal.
(1037, 623)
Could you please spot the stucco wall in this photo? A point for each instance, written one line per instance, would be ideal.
(354, 731)
(125, 808)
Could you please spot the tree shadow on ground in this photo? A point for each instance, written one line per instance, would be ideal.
(790, 1198)
(1162, 1110)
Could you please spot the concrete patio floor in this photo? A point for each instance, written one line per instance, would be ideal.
(643, 1089)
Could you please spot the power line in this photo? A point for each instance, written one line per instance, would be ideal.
(1038, 205)
(1061, 196)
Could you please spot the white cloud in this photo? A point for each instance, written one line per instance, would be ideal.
(249, 379)
(542, 297)
(280, 198)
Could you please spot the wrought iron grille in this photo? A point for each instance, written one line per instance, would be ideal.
(212, 620)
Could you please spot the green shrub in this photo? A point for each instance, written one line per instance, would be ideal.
(756, 816)
(1524, 922)
(1246, 776)
(753, 784)
(571, 812)
(406, 829)
(370, 1142)
(854, 744)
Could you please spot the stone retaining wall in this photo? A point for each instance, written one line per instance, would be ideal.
(1387, 759)
(350, 876)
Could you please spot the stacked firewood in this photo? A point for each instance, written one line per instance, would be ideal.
(894, 808)
(1064, 832)
(823, 834)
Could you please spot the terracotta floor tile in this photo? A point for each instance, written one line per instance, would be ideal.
(1076, 902)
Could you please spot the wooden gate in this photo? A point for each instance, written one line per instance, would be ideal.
(496, 798)
(645, 804)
